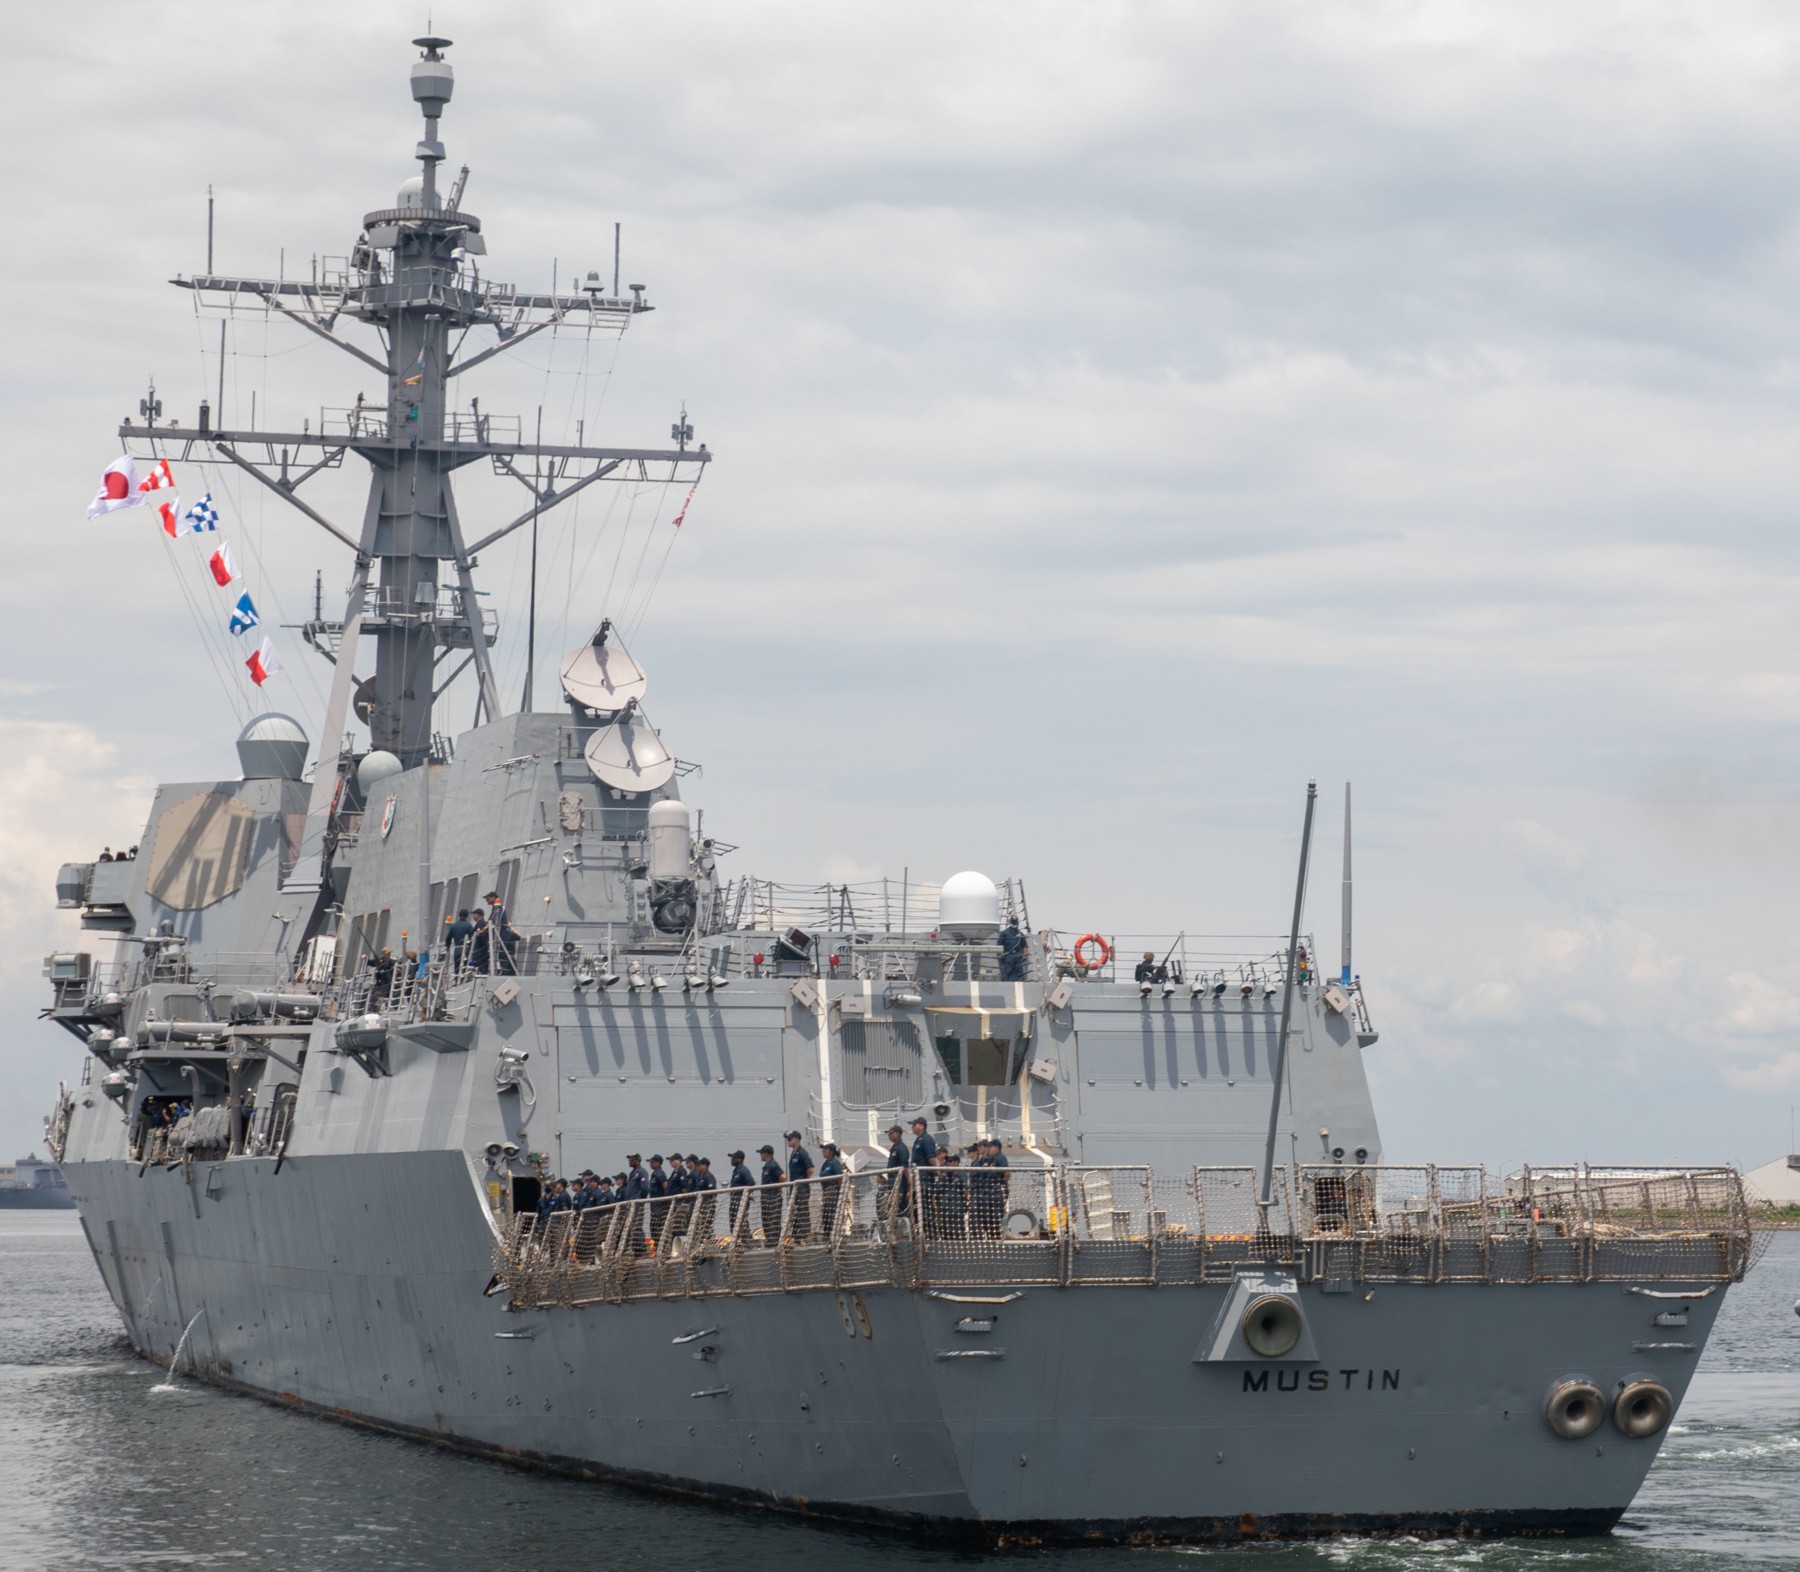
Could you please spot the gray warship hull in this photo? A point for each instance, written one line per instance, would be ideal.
(35, 1199)
(1179, 1295)
(352, 1287)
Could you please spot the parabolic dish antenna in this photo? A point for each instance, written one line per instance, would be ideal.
(603, 676)
(629, 756)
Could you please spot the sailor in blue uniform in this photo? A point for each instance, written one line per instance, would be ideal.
(637, 1182)
(924, 1147)
(741, 1179)
(987, 1190)
(953, 1198)
(504, 937)
(637, 1188)
(771, 1197)
(898, 1157)
(703, 1184)
(457, 934)
(799, 1168)
(1012, 952)
(831, 1170)
(679, 1188)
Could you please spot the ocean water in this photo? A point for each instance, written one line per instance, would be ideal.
(103, 1466)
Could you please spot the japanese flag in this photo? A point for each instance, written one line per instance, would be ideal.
(159, 478)
(118, 488)
(263, 664)
(224, 570)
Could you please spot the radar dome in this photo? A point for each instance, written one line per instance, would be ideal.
(969, 906)
(412, 193)
(375, 768)
(272, 748)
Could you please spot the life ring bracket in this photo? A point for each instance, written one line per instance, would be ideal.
(1103, 952)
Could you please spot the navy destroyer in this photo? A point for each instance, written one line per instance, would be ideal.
(1180, 1295)
(31, 1184)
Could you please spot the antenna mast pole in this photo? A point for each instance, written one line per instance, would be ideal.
(537, 488)
(1279, 1068)
(1344, 976)
(412, 592)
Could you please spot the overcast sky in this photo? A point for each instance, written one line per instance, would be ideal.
(1123, 412)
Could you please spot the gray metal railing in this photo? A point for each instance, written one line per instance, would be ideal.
(1070, 1226)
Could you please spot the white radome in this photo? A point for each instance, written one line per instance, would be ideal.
(969, 906)
(375, 768)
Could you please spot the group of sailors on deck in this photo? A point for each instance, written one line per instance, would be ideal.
(957, 1201)
(954, 1201)
(482, 941)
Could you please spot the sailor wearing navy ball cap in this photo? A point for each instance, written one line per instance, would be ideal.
(771, 1197)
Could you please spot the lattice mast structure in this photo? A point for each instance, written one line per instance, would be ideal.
(412, 280)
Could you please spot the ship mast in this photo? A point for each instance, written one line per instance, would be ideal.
(412, 280)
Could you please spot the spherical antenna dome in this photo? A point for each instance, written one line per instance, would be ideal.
(375, 768)
(969, 906)
(412, 193)
(272, 748)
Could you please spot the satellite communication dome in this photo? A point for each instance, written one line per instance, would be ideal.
(272, 748)
(412, 193)
(969, 906)
(375, 768)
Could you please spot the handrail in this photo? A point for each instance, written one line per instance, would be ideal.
(1078, 1225)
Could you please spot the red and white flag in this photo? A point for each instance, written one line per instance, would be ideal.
(159, 477)
(118, 488)
(171, 517)
(224, 570)
(263, 664)
(684, 506)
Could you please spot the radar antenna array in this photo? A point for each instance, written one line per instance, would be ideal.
(602, 676)
(628, 755)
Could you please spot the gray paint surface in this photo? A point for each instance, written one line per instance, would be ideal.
(348, 1274)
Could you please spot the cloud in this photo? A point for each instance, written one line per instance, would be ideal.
(1543, 849)
(1121, 414)
(62, 792)
(1761, 1007)
(1487, 1002)
(1780, 1074)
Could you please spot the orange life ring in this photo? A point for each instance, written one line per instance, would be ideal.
(1105, 955)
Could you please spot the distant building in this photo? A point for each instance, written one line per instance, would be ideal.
(1778, 1181)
